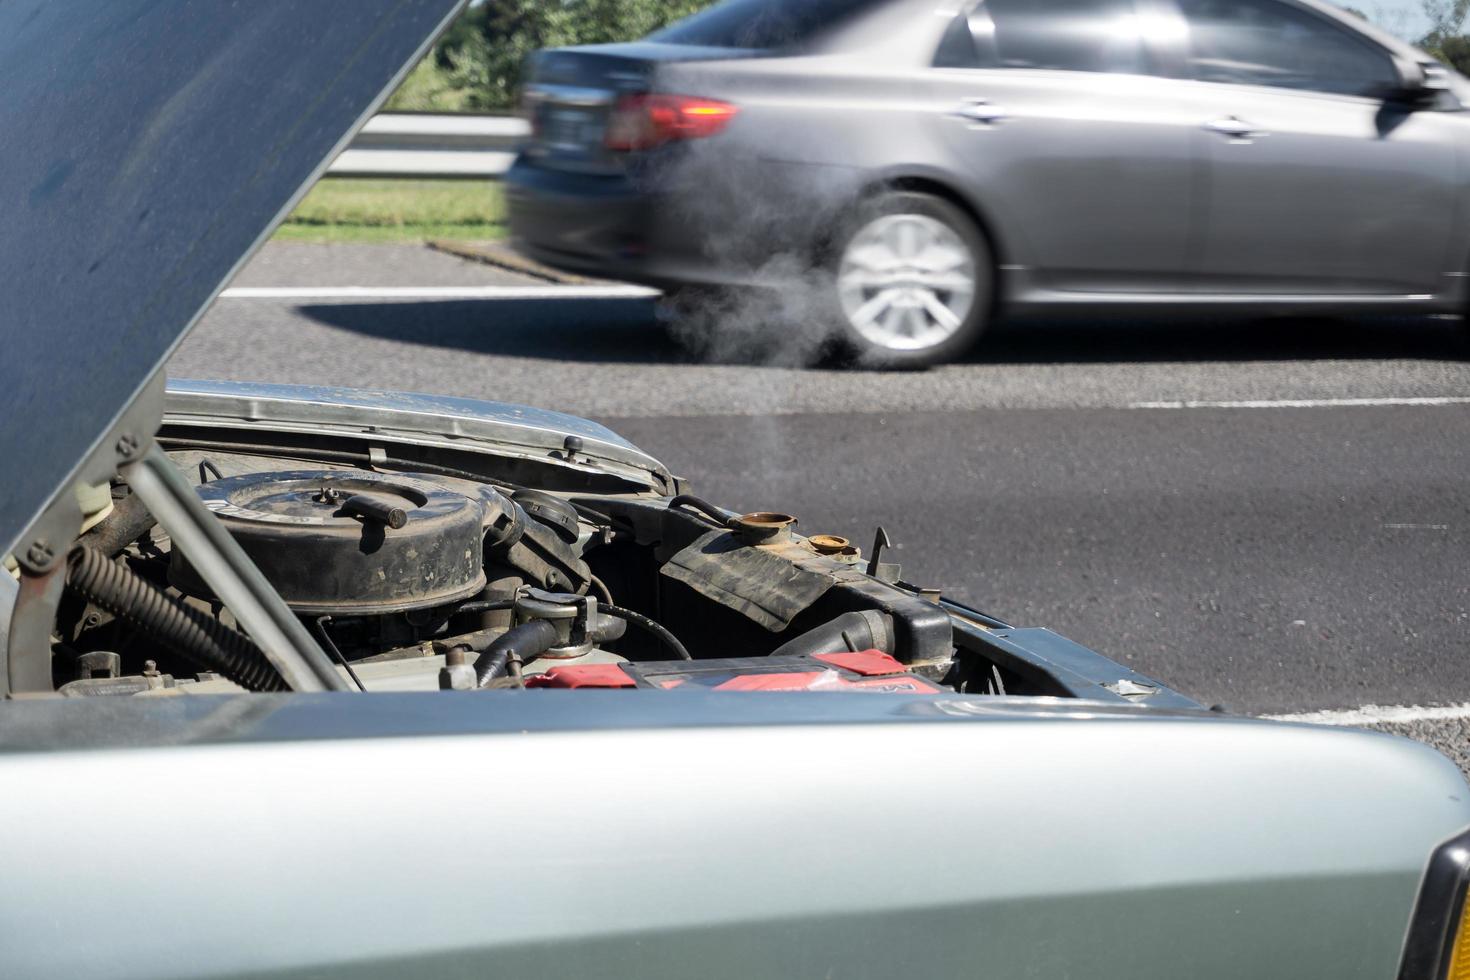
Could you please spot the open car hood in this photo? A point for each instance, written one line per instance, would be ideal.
(441, 421)
(150, 146)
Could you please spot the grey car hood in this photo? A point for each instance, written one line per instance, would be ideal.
(150, 145)
(707, 834)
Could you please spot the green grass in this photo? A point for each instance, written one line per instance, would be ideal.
(340, 209)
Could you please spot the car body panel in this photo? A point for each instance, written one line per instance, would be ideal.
(1337, 194)
(1108, 204)
(132, 204)
(655, 834)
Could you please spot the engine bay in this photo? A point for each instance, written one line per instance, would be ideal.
(433, 571)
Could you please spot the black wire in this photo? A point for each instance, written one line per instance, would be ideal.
(206, 467)
(638, 619)
(321, 628)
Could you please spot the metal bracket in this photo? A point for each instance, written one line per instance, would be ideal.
(883, 571)
(25, 644)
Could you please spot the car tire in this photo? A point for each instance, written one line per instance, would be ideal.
(912, 281)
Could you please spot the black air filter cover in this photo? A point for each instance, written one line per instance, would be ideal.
(349, 542)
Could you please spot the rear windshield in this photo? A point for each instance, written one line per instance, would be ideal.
(761, 24)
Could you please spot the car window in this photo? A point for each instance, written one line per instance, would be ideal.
(1070, 35)
(760, 24)
(1262, 42)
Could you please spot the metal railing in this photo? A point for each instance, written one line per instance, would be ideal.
(412, 144)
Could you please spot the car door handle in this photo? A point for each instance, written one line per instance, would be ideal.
(979, 111)
(1233, 127)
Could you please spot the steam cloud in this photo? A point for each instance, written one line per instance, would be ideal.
(775, 223)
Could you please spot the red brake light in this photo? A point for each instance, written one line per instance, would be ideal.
(640, 122)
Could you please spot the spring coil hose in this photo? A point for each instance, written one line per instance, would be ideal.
(189, 633)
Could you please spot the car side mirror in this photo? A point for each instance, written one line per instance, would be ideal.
(1419, 84)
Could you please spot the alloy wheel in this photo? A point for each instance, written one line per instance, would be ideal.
(906, 282)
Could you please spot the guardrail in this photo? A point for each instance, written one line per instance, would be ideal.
(412, 144)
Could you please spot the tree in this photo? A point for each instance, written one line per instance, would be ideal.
(1445, 38)
(1453, 51)
(487, 50)
(1446, 18)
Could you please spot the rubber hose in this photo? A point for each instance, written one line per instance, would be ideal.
(703, 506)
(128, 522)
(638, 619)
(524, 642)
(867, 630)
(202, 640)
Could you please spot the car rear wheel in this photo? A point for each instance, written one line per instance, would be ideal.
(912, 278)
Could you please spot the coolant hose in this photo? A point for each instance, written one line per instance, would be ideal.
(201, 639)
(703, 506)
(524, 642)
(657, 629)
(128, 522)
(865, 630)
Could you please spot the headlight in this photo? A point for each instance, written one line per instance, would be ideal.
(1438, 944)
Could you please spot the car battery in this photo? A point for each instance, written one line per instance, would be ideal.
(864, 671)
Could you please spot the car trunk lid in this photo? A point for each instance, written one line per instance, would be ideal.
(573, 98)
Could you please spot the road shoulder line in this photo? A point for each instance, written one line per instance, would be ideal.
(1308, 403)
(1377, 714)
(437, 292)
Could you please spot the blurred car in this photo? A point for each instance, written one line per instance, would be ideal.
(930, 165)
(314, 682)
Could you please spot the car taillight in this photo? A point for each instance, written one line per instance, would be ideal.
(640, 122)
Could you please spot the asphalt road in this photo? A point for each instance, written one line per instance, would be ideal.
(1271, 557)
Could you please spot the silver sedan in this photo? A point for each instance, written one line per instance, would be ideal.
(897, 172)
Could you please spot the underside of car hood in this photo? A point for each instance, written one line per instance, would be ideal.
(414, 419)
(149, 147)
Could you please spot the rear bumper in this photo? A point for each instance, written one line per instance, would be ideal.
(607, 227)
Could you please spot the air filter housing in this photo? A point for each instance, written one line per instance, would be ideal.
(349, 542)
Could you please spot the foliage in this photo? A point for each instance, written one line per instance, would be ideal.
(1445, 39)
(1445, 17)
(478, 63)
(429, 88)
(1453, 51)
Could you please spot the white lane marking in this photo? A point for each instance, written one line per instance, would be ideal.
(1417, 527)
(1377, 714)
(437, 292)
(1309, 403)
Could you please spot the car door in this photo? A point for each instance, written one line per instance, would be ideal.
(1066, 134)
(1316, 184)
